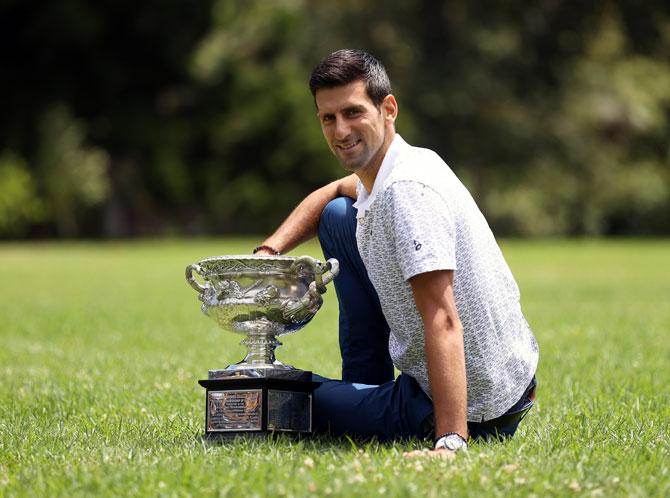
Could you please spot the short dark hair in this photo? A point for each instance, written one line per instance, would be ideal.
(346, 66)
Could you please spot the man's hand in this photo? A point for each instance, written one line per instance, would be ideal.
(443, 453)
(265, 251)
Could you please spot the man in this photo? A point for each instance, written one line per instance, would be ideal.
(423, 285)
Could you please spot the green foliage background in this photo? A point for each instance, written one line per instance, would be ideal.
(159, 118)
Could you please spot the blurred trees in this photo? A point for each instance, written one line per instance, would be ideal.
(124, 119)
(19, 204)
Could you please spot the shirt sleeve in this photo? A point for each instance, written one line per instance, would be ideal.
(420, 225)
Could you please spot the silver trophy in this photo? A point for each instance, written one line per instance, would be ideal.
(260, 297)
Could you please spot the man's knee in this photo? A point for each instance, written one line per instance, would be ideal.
(336, 212)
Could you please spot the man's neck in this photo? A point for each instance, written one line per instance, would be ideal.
(368, 174)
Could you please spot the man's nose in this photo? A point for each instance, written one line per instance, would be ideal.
(342, 129)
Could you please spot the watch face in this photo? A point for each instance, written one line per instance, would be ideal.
(453, 442)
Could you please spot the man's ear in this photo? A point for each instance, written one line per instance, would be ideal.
(390, 107)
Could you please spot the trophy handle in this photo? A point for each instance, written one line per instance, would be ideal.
(307, 306)
(192, 281)
(332, 269)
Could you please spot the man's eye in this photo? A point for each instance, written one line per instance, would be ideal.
(327, 119)
(353, 113)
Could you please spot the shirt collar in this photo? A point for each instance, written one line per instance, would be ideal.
(366, 199)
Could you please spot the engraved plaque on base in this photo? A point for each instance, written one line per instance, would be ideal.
(289, 411)
(234, 410)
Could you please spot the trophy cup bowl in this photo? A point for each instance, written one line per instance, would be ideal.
(260, 297)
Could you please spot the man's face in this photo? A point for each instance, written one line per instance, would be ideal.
(353, 126)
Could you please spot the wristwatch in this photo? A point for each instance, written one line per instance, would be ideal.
(451, 441)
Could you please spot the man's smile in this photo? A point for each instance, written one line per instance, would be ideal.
(348, 145)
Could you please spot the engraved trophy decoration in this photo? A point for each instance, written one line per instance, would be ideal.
(261, 297)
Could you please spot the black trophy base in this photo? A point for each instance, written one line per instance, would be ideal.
(252, 407)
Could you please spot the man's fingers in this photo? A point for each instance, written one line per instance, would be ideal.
(415, 453)
(441, 453)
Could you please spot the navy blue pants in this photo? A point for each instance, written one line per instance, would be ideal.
(368, 402)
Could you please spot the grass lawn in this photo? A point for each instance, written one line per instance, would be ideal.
(102, 346)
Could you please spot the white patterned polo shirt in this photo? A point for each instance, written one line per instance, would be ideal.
(419, 218)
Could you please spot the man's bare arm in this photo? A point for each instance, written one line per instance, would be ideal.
(303, 222)
(445, 356)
